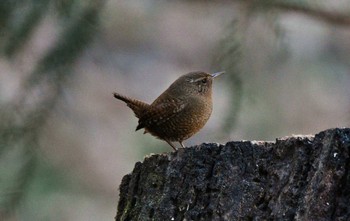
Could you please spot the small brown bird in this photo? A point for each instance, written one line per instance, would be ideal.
(180, 111)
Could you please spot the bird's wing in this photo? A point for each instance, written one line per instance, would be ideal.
(160, 113)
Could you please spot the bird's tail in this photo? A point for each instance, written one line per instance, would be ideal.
(136, 105)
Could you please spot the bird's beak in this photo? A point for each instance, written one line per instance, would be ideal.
(217, 74)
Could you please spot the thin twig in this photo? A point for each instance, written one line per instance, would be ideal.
(331, 17)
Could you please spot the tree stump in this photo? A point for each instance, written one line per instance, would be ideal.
(294, 178)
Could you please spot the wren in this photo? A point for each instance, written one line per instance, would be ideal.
(180, 111)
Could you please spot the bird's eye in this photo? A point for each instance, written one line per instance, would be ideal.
(204, 81)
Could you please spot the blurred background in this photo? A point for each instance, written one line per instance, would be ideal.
(65, 142)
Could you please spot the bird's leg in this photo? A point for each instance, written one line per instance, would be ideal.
(172, 145)
(183, 146)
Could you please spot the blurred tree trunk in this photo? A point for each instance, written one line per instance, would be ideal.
(294, 178)
(23, 117)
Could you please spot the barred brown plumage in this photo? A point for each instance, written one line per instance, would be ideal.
(180, 111)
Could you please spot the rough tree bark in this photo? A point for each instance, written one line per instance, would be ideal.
(294, 178)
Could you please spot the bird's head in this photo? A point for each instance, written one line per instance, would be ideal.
(195, 83)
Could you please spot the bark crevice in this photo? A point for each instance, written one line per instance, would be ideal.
(293, 178)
